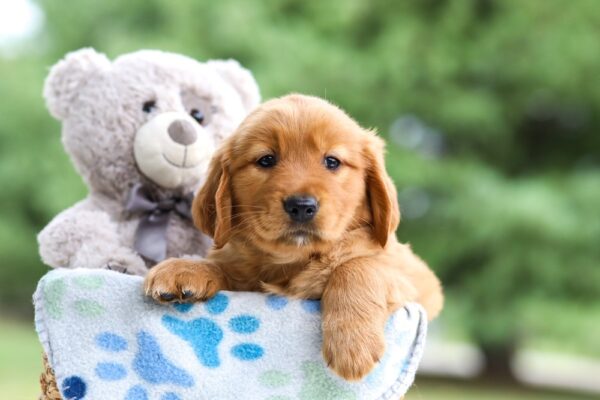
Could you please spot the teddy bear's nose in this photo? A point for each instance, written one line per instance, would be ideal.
(182, 132)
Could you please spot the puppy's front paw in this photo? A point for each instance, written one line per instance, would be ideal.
(352, 352)
(179, 280)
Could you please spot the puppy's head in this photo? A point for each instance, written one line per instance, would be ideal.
(298, 172)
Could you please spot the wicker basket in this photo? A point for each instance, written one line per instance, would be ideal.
(48, 383)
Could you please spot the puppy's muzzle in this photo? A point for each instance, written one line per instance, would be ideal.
(301, 208)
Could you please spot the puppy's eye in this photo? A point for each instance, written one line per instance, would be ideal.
(197, 115)
(267, 161)
(332, 163)
(149, 106)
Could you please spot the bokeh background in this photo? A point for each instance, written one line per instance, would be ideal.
(491, 111)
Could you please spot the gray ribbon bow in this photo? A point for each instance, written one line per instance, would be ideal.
(151, 233)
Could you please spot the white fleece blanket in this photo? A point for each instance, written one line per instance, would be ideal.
(107, 341)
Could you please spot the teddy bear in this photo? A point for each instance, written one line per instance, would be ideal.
(140, 130)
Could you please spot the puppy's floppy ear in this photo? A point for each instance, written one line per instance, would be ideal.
(381, 193)
(211, 208)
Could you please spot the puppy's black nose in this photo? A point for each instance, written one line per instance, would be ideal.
(301, 208)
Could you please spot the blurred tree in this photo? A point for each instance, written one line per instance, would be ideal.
(493, 106)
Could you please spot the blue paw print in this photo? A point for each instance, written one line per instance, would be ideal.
(73, 388)
(279, 302)
(375, 378)
(149, 365)
(205, 335)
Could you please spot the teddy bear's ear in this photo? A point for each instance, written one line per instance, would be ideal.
(241, 79)
(68, 76)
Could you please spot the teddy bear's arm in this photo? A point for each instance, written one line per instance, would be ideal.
(83, 238)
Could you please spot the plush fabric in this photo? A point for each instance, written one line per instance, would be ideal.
(135, 120)
(106, 340)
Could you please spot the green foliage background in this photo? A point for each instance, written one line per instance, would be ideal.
(491, 109)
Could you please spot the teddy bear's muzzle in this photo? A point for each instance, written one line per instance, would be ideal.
(173, 150)
(182, 132)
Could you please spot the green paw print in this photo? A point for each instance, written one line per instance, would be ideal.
(89, 282)
(274, 379)
(317, 384)
(53, 294)
(54, 291)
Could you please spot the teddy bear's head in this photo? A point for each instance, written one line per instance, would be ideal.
(148, 117)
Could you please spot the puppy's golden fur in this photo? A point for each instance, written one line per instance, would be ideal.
(348, 256)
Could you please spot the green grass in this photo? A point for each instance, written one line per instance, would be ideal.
(20, 361)
(21, 364)
(430, 389)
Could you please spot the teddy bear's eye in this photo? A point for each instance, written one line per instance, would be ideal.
(149, 106)
(197, 115)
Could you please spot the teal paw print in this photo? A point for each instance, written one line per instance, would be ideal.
(54, 293)
(149, 365)
(204, 334)
(317, 384)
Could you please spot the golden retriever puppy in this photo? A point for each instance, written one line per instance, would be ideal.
(299, 203)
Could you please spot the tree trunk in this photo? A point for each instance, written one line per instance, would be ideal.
(498, 359)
